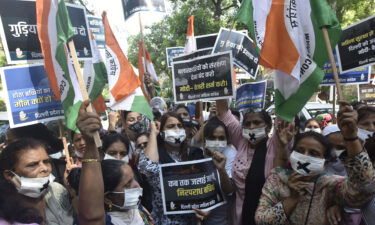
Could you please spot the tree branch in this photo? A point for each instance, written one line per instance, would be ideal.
(228, 7)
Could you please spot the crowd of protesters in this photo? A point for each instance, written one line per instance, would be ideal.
(271, 171)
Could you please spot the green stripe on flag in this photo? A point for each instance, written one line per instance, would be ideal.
(71, 115)
(287, 109)
(65, 32)
(99, 81)
(245, 15)
(323, 16)
(140, 105)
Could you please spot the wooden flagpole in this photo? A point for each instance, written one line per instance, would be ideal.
(82, 86)
(65, 144)
(333, 63)
(142, 39)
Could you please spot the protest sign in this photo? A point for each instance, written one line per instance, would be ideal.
(357, 45)
(198, 53)
(132, 6)
(208, 40)
(251, 95)
(173, 52)
(205, 41)
(188, 185)
(28, 96)
(358, 76)
(243, 50)
(367, 93)
(20, 36)
(97, 28)
(206, 77)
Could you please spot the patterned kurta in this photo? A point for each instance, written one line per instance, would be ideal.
(355, 190)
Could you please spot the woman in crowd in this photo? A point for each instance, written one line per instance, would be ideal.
(335, 166)
(167, 147)
(191, 126)
(217, 146)
(253, 161)
(53, 145)
(79, 146)
(366, 128)
(301, 195)
(313, 125)
(366, 132)
(115, 146)
(26, 165)
(116, 191)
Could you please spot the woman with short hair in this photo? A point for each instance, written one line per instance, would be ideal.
(26, 165)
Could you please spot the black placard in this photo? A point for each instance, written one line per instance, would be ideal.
(20, 37)
(205, 41)
(243, 50)
(367, 93)
(357, 45)
(188, 185)
(198, 53)
(132, 6)
(206, 77)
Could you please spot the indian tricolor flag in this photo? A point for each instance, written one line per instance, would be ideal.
(149, 66)
(95, 76)
(124, 84)
(289, 34)
(191, 44)
(54, 31)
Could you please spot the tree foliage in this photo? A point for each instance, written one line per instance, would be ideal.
(172, 32)
(210, 15)
(351, 11)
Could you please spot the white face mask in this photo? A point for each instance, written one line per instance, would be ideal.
(317, 130)
(34, 187)
(306, 165)
(131, 198)
(79, 154)
(216, 146)
(254, 135)
(174, 137)
(124, 159)
(364, 134)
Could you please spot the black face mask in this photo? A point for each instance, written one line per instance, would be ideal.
(138, 127)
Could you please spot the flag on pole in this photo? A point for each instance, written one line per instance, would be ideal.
(94, 72)
(54, 31)
(124, 84)
(289, 34)
(95, 76)
(149, 64)
(191, 44)
(150, 69)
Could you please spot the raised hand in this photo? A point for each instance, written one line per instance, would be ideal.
(219, 160)
(285, 131)
(88, 123)
(347, 119)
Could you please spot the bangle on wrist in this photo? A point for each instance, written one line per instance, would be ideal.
(90, 160)
(350, 139)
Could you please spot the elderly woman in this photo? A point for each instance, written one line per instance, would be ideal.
(26, 165)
